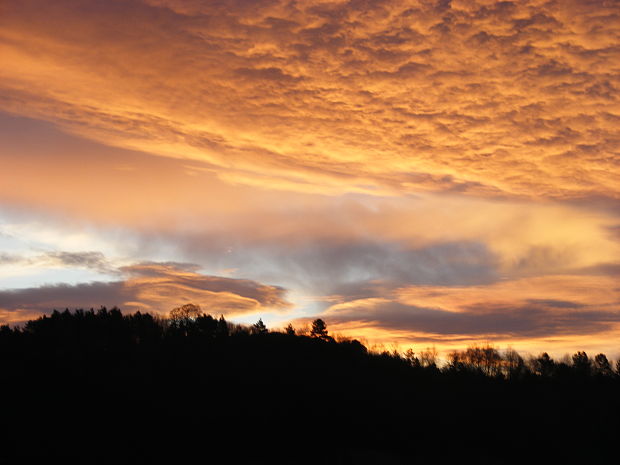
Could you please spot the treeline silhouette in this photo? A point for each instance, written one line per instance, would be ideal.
(112, 388)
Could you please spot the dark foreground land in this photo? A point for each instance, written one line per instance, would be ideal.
(103, 388)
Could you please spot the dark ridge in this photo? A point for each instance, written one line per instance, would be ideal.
(100, 387)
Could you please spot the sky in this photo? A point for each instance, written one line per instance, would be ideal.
(417, 173)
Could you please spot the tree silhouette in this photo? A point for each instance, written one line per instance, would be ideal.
(259, 327)
(602, 365)
(411, 359)
(107, 354)
(185, 313)
(513, 364)
(222, 327)
(428, 357)
(290, 330)
(484, 359)
(319, 329)
(581, 363)
(544, 365)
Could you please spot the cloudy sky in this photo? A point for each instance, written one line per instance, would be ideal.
(415, 172)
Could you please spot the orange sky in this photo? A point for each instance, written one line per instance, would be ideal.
(421, 172)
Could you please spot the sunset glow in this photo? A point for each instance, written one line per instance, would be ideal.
(415, 172)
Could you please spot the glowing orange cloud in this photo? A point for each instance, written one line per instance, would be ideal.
(135, 190)
(445, 252)
(488, 98)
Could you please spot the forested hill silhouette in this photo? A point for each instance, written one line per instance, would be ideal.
(102, 387)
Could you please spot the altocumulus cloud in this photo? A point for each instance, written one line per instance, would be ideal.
(511, 99)
(154, 287)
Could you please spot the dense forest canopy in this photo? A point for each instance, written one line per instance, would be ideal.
(111, 328)
(85, 381)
